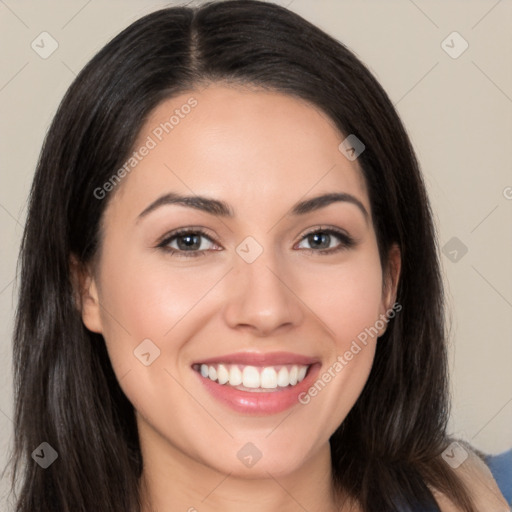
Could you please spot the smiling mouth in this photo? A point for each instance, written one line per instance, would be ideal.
(254, 378)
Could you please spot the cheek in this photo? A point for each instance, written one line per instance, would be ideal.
(154, 297)
(143, 300)
(347, 297)
(149, 298)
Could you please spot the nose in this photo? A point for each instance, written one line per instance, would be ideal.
(261, 298)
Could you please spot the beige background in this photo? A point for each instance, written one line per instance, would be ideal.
(458, 113)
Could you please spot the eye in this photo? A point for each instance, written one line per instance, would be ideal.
(190, 242)
(195, 242)
(323, 241)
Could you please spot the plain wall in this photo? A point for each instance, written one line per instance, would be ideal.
(458, 112)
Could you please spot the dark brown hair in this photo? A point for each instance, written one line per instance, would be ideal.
(388, 448)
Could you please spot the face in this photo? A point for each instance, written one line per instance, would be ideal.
(238, 324)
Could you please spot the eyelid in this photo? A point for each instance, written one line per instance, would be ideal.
(325, 228)
(183, 231)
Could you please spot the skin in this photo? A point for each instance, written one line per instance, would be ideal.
(291, 298)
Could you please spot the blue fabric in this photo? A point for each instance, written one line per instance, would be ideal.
(501, 469)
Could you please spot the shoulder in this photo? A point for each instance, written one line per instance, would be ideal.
(479, 481)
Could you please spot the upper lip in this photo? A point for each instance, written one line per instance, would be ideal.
(261, 359)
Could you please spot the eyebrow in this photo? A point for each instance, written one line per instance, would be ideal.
(222, 209)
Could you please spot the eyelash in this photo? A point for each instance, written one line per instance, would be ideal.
(346, 242)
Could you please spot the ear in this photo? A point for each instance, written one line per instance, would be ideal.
(85, 293)
(390, 282)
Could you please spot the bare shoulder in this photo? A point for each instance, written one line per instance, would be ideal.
(480, 482)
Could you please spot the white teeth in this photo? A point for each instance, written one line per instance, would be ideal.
(253, 377)
(283, 377)
(235, 376)
(268, 378)
(222, 374)
(294, 372)
(250, 377)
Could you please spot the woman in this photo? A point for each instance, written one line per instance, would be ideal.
(230, 295)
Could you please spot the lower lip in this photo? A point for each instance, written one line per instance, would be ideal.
(259, 402)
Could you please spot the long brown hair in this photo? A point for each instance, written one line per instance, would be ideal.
(387, 451)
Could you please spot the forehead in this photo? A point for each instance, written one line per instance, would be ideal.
(255, 149)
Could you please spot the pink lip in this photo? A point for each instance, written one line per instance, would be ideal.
(259, 359)
(259, 402)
